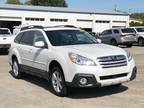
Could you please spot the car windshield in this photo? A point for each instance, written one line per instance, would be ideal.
(4, 31)
(128, 30)
(140, 29)
(70, 37)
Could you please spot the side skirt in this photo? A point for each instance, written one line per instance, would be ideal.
(35, 72)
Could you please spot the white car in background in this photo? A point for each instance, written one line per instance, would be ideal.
(5, 38)
(140, 35)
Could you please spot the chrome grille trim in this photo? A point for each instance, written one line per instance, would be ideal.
(112, 61)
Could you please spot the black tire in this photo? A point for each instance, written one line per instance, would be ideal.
(57, 78)
(114, 42)
(15, 69)
(129, 45)
(141, 42)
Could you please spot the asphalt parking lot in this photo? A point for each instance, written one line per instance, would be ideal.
(32, 92)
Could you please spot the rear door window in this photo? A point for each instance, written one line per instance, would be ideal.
(27, 38)
(18, 38)
(107, 32)
(116, 31)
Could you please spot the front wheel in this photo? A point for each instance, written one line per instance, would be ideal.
(58, 82)
(141, 42)
(114, 43)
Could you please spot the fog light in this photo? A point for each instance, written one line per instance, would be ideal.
(83, 81)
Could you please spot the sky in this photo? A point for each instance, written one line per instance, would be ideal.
(104, 5)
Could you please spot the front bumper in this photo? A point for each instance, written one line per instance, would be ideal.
(92, 82)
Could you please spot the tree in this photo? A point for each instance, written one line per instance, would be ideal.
(13, 2)
(55, 3)
(27, 3)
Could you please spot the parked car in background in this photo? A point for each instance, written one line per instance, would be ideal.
(140, 35)
(69, 57)
(119, 36)
(5, 38)
(95, 36)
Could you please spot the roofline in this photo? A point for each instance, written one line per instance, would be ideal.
(55, 9)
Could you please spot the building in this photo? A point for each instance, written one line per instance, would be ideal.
(15, 15)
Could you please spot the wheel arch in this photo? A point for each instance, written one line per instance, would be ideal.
(140, 38)
(16, 55)
(56, 63)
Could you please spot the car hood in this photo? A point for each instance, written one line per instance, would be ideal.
(96, 50)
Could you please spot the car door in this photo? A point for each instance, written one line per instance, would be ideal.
(40, 55)
(116, 35)
(106, 36)
(25, 49)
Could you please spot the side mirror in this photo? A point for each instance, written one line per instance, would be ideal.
(39, 44)
(99, 40)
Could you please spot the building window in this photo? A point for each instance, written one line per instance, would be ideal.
(84, 20)
(58, 20)
(34, 19)
(102, 21)
(119, 21)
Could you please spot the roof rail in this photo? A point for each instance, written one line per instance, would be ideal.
(31, 27)
(70, 26)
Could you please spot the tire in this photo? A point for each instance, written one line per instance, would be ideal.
(15, 69)
(129, 45)
(114, 42)
(141, 42)
(58, 84)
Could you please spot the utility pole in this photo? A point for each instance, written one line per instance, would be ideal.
(115, 8)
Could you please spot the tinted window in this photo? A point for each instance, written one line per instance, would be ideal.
(128, 30)
(27, 38)
(38, 36)
(107, 32)
(116, 31)
(140, 29)
(70, 37)
(18, 38)
(4, 31)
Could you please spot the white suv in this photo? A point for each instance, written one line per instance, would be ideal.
(5, 38)
(140, 35)
(69, 57)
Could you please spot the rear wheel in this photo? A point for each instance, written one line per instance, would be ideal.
(129, 45)
(114, 42)
(15, 69)
(58, 82)
(141, 42)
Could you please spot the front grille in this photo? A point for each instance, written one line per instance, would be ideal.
(112, 61)
(113, 76)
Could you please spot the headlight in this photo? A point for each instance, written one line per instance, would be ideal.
(80, 60)
(129, 56)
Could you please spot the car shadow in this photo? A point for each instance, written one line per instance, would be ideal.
(85, 93)
(36, 81)
(77, 93)
(3, 52)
